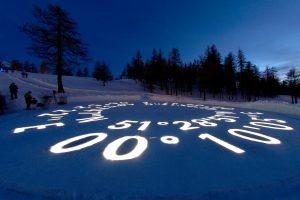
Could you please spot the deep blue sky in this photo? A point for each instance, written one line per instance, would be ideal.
(268, 31)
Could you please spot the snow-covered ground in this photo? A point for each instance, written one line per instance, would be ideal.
(121, 142)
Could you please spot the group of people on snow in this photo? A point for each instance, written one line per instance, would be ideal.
(30, 100)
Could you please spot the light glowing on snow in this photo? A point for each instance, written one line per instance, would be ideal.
(186, 125)
(169, 140)
(203, 122)
(162, 123)
(275, 120)
(59, 147)
(93, 113)
(221, 142)
(91, 119)
(251, 113)
(251, 127)
(269, 140)
(110, 152)
(226, 119)
(144, 126)
(64, 111)
(122, 125)
(52, 115)
(39, 127)
(272, 126)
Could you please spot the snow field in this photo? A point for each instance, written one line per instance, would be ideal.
(192, 168)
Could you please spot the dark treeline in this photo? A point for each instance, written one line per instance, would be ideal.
(43, 68)
(234, 78)
(101, 70)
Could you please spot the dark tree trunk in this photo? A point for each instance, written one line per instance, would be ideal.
(60, 87)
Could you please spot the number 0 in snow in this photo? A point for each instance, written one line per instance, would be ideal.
(110, 152)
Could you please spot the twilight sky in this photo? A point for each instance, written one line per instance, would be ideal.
(268, 31)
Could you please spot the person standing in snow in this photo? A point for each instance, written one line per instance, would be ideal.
(28, 99)
(13, 88)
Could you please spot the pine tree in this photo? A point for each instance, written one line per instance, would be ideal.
(55, 40)
(201, 77)
(137, 66)
(26, 66)
(241, 75)
(85, 72)
(213, 70)
(151, 71)
(230, 75)
(162, 71)
(102, 72)
(174, 65)
(43, 68)
(33, 68)
(79, 73)
(293, 79)
(16, 65)
(251, 80)
(270, 82)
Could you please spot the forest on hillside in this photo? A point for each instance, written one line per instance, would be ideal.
(234, 78)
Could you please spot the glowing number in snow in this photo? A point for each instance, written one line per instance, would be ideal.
(122, 125)
(186, 125)
(250, 127)
(162, 123)
(59, 147)
(252, 113)
(269, 140)
(52, 115)
(254, 117)
(227, 116)
(110, 152)
(144, 126)
(203, 122)
(169, 140)
(224, 113)
(22, 129)
(272, 126)
(221, 142)
(275, 120)
(64, 111)
(91, 119)
(79, 107)
(215, 117)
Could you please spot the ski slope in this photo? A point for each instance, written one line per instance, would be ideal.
(120, 142)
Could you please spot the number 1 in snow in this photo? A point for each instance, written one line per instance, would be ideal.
(144, 126)
(231, 147)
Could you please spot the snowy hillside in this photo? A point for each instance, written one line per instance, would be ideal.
(120, 142)
(87, 89)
